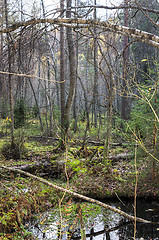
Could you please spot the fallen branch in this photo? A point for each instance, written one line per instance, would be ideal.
(76, 195)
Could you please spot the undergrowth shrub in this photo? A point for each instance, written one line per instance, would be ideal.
(14, 150)
(144, 110)
(4, 108)
(19, 113)
(35, 111)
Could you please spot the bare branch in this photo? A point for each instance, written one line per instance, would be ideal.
(29, 76)
(137, 34)
(145, 14)
(121, 6)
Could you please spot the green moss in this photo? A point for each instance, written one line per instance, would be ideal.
(54, 157)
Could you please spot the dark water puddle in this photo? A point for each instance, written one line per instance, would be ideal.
(101, 224)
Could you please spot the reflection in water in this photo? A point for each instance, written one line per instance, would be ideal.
(106, 232)
(106, 226)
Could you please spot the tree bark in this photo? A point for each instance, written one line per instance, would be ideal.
(75, 97)
(10, 80)
(48, 92)
(124, 99)
(72, 70)
(62, 75)
(36, 102)
(95, 89)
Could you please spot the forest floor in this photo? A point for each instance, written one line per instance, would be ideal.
(87, 172)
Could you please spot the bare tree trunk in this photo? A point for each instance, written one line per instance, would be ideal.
(9, 76)
(109, 115)
(50, 101)
(36, 101)
(124, 99)
(46, 107)
(72, 69)
(62, 75)
(66, 107)
(20, 82)
(48, 76)
(95, 91)
(75, 102)
(3, 95)
(2, 23)
(87, 109)
(48, 91)
(110, 85)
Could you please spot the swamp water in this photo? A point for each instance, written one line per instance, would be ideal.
(100, 224)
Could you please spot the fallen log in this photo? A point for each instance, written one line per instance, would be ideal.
(77, 195)
(114, 158)
(120, 156)
(45, 138)
(52, 168)
(102, 143)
